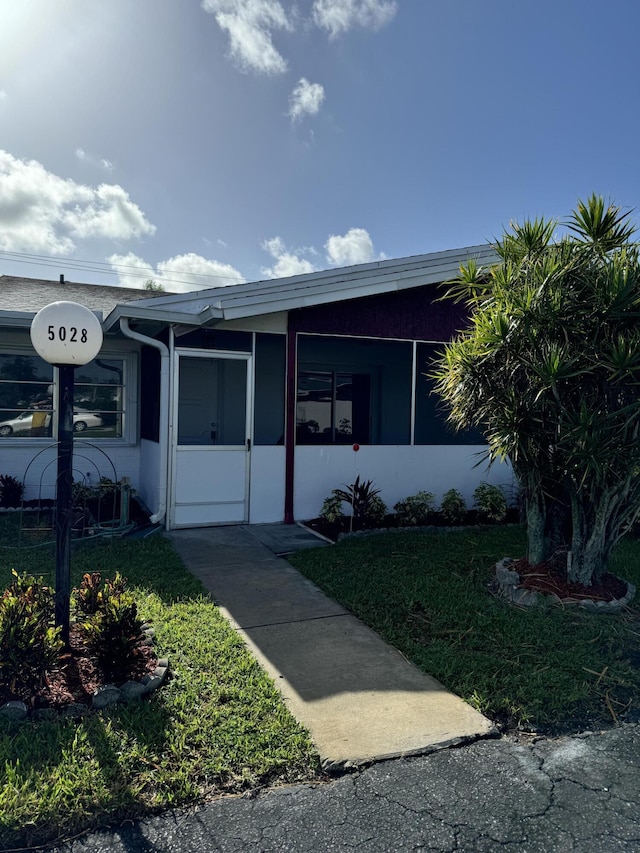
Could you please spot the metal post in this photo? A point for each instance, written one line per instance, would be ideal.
(63, 498)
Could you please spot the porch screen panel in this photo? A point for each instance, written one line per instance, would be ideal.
(431, 425)
(353, 391)
(212, 401)
(269, 399)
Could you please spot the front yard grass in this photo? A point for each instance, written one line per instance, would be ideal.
(218, 726)
(550, 669)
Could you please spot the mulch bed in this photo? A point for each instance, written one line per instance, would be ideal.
(333, 529)
(79, 675)
(548, 579)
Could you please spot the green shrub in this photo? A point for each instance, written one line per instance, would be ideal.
(29, 644)
(89, 596)
(111, 624)
(490, 502)
(375, 511)
(332, 508)
(11, 491)
(83, 492)
(453, 507)
(415, 510)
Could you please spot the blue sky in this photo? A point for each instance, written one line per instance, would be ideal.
(202, 142)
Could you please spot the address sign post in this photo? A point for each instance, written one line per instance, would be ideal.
(66, 335)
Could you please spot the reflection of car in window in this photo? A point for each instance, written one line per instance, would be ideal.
(33, 422)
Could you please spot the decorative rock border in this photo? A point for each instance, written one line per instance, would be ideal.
(103, 697)
(428, 528)
(508, 587)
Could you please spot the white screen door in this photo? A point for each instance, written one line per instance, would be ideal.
(211, 428)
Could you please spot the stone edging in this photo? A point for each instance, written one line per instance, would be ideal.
(508, 586)
(428, 528)
(103, 697)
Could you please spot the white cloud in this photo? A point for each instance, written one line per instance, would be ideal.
(179, 274)
(3, 94)
(286, 262)
(250, 25)
(306, 99)
(99, 162)
(354, 247)
(42, 212)
(339, 16)
(110, 213)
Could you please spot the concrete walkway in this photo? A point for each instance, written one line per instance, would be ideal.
(360, 699)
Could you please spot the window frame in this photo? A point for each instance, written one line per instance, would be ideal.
(128, 409)
(334, 373)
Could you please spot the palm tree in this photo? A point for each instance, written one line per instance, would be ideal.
(549, 369)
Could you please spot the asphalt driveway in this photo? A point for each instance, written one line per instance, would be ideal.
(572, 795)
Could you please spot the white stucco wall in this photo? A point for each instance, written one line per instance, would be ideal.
(398, 471)
(266, 497)
(36, 464)
(149, 486)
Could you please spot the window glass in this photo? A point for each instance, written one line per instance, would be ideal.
(314, 414)
(26, 396)
(98, 398)
(333, 408)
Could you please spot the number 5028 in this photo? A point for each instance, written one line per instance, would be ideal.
(62, 333)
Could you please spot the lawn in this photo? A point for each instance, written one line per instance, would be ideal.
(218, 726)
(548, 668)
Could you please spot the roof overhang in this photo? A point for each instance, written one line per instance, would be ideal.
(207, 307)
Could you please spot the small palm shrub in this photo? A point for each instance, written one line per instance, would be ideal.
(29, 644)
(415, 510)
(453, 507)
(490, 502)
(11, 490)
(110, 620)
(363, 499)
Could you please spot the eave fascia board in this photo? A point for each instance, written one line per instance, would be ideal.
(17, 319)
(23, 319)
(236, 312)
(159, 315)
(334, 293)
(343, 288)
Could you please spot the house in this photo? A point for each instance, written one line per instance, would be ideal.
(249, 402)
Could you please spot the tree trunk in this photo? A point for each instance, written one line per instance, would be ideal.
(591, 541)
(548, 525)
(536, 540)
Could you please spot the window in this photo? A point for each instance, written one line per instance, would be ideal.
(27, 395)
(333, 408)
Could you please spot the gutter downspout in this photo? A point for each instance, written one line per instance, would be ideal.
(163, 436)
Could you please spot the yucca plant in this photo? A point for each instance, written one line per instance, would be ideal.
(549, 369)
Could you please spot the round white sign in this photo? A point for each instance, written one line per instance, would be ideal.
(66, 333)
